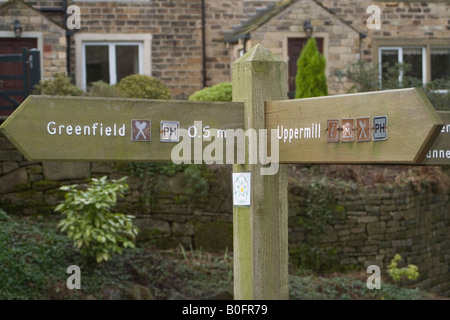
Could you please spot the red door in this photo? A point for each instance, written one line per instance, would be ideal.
(295, 47)
(13, 46)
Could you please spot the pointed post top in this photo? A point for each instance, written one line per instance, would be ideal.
(258, 54)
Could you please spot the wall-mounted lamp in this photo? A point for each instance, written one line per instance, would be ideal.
(307, 26)
(17, 28)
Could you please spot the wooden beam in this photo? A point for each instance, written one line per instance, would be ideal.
(261, 229)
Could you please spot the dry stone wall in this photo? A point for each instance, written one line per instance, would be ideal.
(368, 226)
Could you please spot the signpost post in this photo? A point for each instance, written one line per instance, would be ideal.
(260, 230)
(397, 126)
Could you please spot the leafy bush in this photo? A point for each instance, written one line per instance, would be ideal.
(319, 205)
(103, 89)
(363, 73)
(32, 256)
(218, 92)
(59, 85)
(143, 87)
(365, 77)
(197, 184)
(3, 215)
(90, 224)
(391, 76)
(439, 99)
(311, 80)
(154, 175)
(411, 272)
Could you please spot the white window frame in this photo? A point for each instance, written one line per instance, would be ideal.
(112, 58)
(438, 47)
(400, 60)
(81, 39)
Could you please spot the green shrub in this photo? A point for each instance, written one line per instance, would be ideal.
(411, 272)
(59, 85)
(320, 205)
(103, 89)
(391, 74)
(153, 177)
(143, 87)
(89, 223)
(3, 215)
(311, 80)
(364, 75)
(218, 92)
(440, 100)
(32, 257)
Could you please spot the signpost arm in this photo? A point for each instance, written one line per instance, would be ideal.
(260, 231)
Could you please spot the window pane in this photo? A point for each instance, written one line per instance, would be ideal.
(97, 64)
(440, 63)
(127, 61)
(389, 57)
(413, 57)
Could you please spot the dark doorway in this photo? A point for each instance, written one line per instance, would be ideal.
(295, 47)
(13, 46)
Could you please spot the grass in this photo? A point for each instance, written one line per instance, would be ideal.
(34, 257)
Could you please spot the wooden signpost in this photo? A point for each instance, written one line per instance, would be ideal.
(439, 153)
(397, 126)
(260, 241)
(47, 128)
(391, 126)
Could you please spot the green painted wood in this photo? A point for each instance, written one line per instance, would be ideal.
(439, 153)
(412, 126)
(28, 127)
(261, 229)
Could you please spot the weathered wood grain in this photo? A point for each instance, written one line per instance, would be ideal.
(413, 125)
(261, 229)
(27, 126)
(439, 153)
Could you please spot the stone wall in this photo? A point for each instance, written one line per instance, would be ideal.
(343, 26)
(221, 17)
(175, 26)
(176, 48)
(176, 29)
(341, 45)
(368, 225)
(371, 225)
(399, 20)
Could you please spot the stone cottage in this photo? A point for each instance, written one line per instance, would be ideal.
(189, 44)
